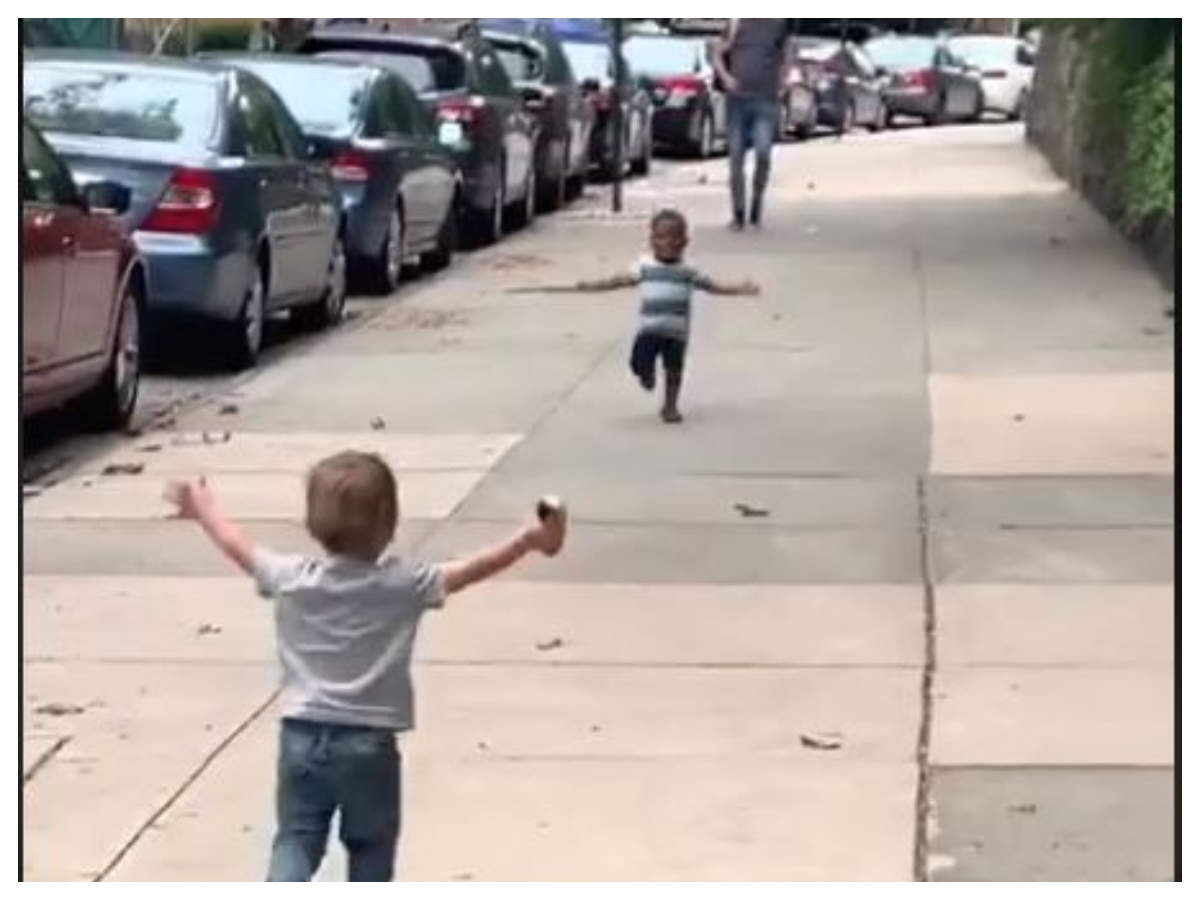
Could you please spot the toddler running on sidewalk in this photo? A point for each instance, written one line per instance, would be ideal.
(667, 283)
(344, 628)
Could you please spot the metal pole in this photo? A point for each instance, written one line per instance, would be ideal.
(618, 118)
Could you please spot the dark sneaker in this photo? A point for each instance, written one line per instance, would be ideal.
(738, 222)
(756, 215)
(672, 416)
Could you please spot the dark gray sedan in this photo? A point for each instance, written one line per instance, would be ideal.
(400, 188)
(926, 80)
(232, 218)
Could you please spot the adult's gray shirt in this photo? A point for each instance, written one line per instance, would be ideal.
(756, 55)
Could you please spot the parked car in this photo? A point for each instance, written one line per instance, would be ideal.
(847, 84)
(399, 186)
(1005, 65)
(798, 107)
(689, 111)
(231, 217)
(926, 79)
(540, 70)
(591, 61)
(82, 289)
(479, 114)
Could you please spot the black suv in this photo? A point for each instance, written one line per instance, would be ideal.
(480, 116)
(539, 68)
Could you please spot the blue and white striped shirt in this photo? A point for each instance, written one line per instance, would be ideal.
(666, 290)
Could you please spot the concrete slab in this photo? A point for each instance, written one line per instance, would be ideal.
(296, 452)
(664, 554)
(261, 495)
(1123, 501)
(627, 712)
(1054, 824)
(89, 617)
(804, 422)
(679, 625)
(1055, 556)
(492, 392)
(154, 547)
(1053, 716)
(142, 731)
(1059, 625)
(702, 500)
(583, 819)
(1053, 424)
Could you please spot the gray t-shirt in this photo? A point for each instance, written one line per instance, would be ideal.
(344, 630)
(756, 55)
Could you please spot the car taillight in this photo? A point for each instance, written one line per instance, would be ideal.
(459, 109)
(190, 204)
(922, 78)
(350, 165)
(681, 89)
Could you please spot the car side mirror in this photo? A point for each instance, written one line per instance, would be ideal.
(107, 197)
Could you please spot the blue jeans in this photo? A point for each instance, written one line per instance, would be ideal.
(751, 119)
(323, 768)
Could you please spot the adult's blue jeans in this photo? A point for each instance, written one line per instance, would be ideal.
(323, 768)
(752, 120)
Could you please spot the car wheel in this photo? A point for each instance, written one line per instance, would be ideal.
(524, 209)
(447, 242)
(704, 147)
(641, 166)
(246, 332)
(977, 112)
(939, 114)
(1018, 112)
(487, 225)
(328, 310)
(110, 403)
(880, 122)
(849, 118)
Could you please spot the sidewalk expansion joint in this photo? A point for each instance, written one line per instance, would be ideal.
(46, 756)
(187, 783)
(921, 840)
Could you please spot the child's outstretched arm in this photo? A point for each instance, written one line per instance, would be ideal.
(193, 500)
(611, 283)
(746, 288)
(545, 533)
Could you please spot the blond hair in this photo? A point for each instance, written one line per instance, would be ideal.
(352, 504)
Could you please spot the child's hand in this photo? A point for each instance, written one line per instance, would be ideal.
(191, 499)
(548, 532)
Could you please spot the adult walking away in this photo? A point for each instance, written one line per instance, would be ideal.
(749, 62)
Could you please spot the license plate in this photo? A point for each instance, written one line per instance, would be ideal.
(450, 133)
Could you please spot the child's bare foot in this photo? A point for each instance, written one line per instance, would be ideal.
(672, 416)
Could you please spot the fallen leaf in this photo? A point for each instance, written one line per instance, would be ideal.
(123, 469)
(826, 741)
(464, 876)
(229, 409)
(595, 729)
(482, 745)
(377, 424)
(59, 709)
(751, 512)
(1019, 417)
(1056, 241)
(812, 186)
(543, 825)
(1151, 332)
(552, 644)
(1027, 809)
(208, 629)
(215, 437)
(150, 448)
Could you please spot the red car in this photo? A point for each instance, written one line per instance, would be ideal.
(82, 289)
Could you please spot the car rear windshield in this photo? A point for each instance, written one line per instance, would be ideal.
(107, 102)
(425, 68)
(661, 56)
(520, 62)
(324, 99)
(902, 53)
(589, 60)
(985, 52)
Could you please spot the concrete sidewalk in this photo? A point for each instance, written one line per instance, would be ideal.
(952, 406)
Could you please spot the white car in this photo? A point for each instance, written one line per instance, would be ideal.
(1005, 67)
